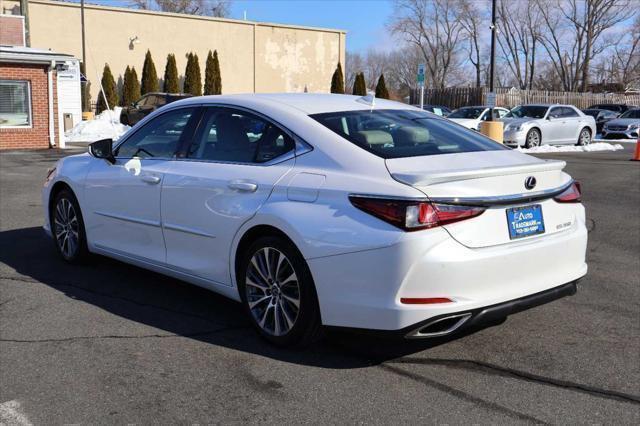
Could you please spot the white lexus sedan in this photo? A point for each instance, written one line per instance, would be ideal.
(535, 125)
(326, 210)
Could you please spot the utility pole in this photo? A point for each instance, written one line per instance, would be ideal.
(84, 52)
(493, 56)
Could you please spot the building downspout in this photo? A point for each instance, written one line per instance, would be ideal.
(52, 128)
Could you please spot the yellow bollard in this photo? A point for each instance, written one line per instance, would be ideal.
(492, 129)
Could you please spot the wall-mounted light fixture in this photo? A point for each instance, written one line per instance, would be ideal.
(133, 41)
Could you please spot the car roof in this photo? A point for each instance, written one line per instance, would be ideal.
(308, 103)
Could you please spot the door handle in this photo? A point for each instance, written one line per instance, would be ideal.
(243, 185)
(154, 180)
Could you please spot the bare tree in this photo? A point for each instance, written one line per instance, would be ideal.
(473, 18)
(402, 69)
(217, 8)
(354, 64)
(375, 64)
(518, 23)
(622, 65)
(573, 35)
(434, 27)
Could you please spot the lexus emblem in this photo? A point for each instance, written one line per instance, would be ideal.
(530, 182)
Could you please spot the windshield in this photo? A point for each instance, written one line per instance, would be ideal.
(468, 112)
(404, 133)
(632, 113)
(532, 111)
(592, 112)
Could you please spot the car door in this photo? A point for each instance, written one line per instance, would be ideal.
(573, 124)
(228, 172)
(553, 126)
(122, 210)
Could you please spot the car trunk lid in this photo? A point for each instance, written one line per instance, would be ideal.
(493, 179)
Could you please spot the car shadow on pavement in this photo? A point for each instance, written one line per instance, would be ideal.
(177, 308)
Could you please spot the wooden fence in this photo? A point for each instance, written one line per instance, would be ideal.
(455, 97)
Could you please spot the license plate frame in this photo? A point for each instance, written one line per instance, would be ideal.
(519, 221)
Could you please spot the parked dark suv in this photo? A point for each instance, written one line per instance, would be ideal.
(619, 108)
(146, 105)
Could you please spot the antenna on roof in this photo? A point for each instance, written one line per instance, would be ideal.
(369, 99)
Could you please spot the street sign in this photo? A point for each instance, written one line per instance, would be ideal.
(491, 99)
(421, 68)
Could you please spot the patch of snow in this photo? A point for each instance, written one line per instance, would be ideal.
(615, 140)
(598, 146)
(104, 126)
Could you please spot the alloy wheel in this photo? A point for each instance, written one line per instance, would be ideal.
(66, 228)
(273, 291)
(533, 139)
(585, 137)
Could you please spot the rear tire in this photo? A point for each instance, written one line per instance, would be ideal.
(585, 137)
(67, 227)
(278, 293)
(533, 139)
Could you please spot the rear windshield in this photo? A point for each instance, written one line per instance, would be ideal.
(404, 133)
(468, 112)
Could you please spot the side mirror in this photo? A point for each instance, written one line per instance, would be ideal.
(103, 149)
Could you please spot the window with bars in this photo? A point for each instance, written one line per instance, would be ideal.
(15, 103)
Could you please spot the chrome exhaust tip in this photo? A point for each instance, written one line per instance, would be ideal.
(439, 327)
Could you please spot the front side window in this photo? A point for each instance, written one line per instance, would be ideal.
(555, 113)
(531, 111)
(632, 113)
(15, 103)
(404, 133)
(159, 138)
(230, 135)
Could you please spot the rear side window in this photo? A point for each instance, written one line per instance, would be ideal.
(230, 135)
(404, 133)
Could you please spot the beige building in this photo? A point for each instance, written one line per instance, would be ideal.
(254, 56)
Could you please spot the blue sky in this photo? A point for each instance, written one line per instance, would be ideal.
(364, 20)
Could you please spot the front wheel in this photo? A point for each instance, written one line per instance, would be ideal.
(67, 227)
(278, 292)
(533, 138)
(585, 137)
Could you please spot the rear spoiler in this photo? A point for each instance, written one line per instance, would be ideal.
(426, 178)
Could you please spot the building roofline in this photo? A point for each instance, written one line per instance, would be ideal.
(186, 16)
(28, 55)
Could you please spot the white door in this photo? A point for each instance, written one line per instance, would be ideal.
(229, 171)
(122, 200)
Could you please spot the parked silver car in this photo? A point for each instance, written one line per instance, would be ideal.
(623, 127)
(535, 125)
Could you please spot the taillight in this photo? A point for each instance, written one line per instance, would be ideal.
(414, 215)
(572, 194)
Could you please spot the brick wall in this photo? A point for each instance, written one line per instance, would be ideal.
(11, 30)
(37, 136)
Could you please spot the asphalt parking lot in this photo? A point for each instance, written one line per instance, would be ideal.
(111, 343)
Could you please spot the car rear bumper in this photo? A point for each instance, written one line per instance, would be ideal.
(434, 327)
(364, 290)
